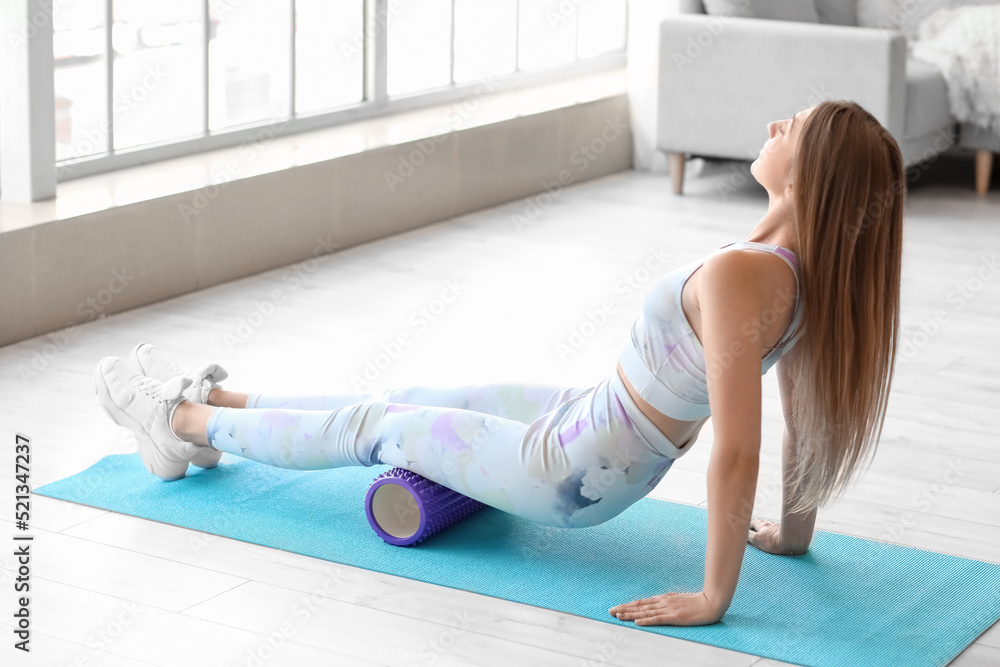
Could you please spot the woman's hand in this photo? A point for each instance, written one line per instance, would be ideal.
(766, 536)
(669, 609)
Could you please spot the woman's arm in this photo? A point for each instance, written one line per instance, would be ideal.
(730, 298)
(795, 530)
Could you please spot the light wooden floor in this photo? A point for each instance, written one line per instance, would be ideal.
(171, 596)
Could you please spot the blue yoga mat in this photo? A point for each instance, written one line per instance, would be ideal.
(849, 601)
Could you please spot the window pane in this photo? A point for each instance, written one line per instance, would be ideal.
(249, 61)
(602, 27)
(157, 71)
(80, 81)
(485, 38)
(419, 48)
(548, 33)
(329, 53)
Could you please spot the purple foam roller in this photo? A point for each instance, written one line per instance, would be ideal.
(405, 508)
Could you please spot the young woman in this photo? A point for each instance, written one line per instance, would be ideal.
(816, 285)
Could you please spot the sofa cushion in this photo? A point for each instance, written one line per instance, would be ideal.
(837, 12)
(926, 99)
(690, 7)
(781, 10)
(904, 15)
(978, 138)
(877, 14)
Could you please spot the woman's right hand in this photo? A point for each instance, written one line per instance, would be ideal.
(766, 536)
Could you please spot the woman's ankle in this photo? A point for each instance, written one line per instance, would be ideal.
(220, 398)
(189, 423)
(177, 421)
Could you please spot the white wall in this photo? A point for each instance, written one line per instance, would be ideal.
(643, 62)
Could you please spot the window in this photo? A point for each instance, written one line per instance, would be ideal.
(162, 79)
(329, 67)
(78, 44)
(156, 71)
(485, 39)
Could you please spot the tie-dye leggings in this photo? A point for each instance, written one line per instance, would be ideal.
(561, 456)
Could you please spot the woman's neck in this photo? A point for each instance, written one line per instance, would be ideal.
(776, 227)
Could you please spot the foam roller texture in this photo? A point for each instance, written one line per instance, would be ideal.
(420, 504)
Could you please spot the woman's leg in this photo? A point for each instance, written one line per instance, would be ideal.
(520, 402)
(578, 465)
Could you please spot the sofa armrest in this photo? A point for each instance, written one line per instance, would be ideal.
(722, 79)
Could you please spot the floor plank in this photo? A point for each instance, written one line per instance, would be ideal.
(134, 632)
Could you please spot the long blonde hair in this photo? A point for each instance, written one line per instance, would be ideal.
(850, 187)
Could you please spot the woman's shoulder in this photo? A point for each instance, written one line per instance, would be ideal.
(728, 262)
(749, 272)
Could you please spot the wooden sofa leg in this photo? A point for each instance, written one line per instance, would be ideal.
(677, 171)
(984, 164)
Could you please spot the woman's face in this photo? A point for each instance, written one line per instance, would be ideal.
(772, 168)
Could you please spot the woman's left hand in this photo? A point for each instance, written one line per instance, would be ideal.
(669, 609)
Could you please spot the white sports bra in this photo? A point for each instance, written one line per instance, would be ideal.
(663, 358)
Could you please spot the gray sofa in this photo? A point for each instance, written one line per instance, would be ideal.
(723, 78)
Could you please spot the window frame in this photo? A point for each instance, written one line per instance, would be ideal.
(375, 101)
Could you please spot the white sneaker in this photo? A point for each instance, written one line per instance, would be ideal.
(145, 406)
(148, 360)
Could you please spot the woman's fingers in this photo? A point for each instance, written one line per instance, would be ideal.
(637, 608)
(671, 609)
(634, 604)
(633, 608)
(638, 612)
(763, 535)
(662, 619)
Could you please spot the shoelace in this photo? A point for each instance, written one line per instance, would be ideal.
(204, 381)
(204, 384)
(145, 384)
